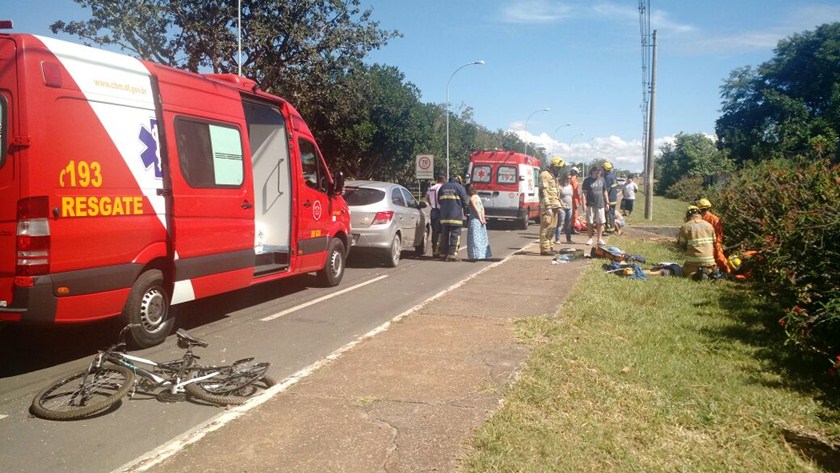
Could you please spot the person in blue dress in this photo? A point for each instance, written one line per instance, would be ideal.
(478, 245)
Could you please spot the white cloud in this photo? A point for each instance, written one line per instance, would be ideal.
(624, 154)
(535, 11)
(553, 11)
(800, 18)
(659, 19)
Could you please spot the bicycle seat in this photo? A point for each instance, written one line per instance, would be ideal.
(189, 340)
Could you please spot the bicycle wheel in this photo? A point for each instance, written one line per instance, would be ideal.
(78, 396)
(230, 378)
(226, 387)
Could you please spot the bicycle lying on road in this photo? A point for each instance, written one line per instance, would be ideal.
(115, 373)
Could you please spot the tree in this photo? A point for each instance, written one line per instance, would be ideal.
(372, 122)
(787, 106)
(291, 47)
(691, 155)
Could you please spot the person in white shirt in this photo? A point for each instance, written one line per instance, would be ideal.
(434, 213)
(628, 196)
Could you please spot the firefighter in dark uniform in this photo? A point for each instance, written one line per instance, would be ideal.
(452, 200)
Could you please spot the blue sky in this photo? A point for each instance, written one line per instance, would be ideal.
(582, 59)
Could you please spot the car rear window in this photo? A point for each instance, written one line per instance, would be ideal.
(362, 196)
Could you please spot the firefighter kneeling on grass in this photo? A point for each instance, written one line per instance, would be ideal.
(697, 239)
(549, 205)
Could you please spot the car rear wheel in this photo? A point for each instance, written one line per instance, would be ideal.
(392, 258)
(420, 249)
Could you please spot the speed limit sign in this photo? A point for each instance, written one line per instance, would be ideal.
(425, 166)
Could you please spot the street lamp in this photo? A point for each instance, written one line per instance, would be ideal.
(570, 145)
(474, 63)
(555, 131)
(526, 124)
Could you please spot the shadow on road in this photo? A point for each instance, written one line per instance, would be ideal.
(25, 348)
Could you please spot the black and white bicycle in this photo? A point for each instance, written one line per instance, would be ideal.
(113, 373)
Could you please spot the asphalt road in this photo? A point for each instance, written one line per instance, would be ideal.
(291, 323)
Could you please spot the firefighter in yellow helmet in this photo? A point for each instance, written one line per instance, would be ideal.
(706, 213)
(549, 204)
(611, 186)
(697, 239)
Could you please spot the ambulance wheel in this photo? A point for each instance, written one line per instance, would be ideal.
(522, 222)
(334, 266)
(148, 309)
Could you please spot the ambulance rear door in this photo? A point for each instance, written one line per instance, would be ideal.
(9, 169)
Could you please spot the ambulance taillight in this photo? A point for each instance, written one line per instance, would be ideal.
(33, 236)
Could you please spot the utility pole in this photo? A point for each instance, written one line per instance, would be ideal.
(649, 157)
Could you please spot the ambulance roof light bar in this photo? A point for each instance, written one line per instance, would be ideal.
(6, 24)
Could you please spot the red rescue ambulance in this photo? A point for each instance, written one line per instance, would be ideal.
(507, 183)
(127, 187)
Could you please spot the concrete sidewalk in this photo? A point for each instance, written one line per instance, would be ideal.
(405, 400)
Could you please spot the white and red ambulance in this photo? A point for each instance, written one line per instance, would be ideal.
(507, 183)
(127, 187)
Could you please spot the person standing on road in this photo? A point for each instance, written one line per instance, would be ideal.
(452, 200)
(576, 201)
(478, 244)
(611, 186)
(628, 196)
(697, 239)
(564, 222)
(434, 213)
(549, 205)
(595, 199)
(705, 207)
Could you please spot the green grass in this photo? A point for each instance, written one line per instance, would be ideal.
(659, 375)
(666, 212)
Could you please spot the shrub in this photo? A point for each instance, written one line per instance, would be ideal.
(687, 189)
(788, 212)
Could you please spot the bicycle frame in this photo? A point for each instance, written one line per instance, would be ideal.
(176, 382)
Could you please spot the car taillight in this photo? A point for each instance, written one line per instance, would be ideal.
(382, 217)
(33, 236)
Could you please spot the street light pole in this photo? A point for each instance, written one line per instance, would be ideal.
(529, 119)
(474, 63)
(570, 145)
(555, 131)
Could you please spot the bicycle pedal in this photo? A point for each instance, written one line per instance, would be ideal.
(168, 397)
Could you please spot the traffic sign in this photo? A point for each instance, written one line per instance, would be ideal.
(425, 166)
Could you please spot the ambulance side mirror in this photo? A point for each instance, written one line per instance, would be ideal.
(337, 187)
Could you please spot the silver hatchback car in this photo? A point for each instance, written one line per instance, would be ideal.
(386, 218)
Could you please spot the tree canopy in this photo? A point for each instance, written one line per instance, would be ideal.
(787, 106)
(291, 48)
(691, 155)
(369, 121)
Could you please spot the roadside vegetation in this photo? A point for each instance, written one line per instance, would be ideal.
(666, 212)
(661, 375)
(773, 174)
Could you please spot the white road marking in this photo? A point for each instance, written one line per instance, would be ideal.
(3, 416)
(160, 454)
(321, 299)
